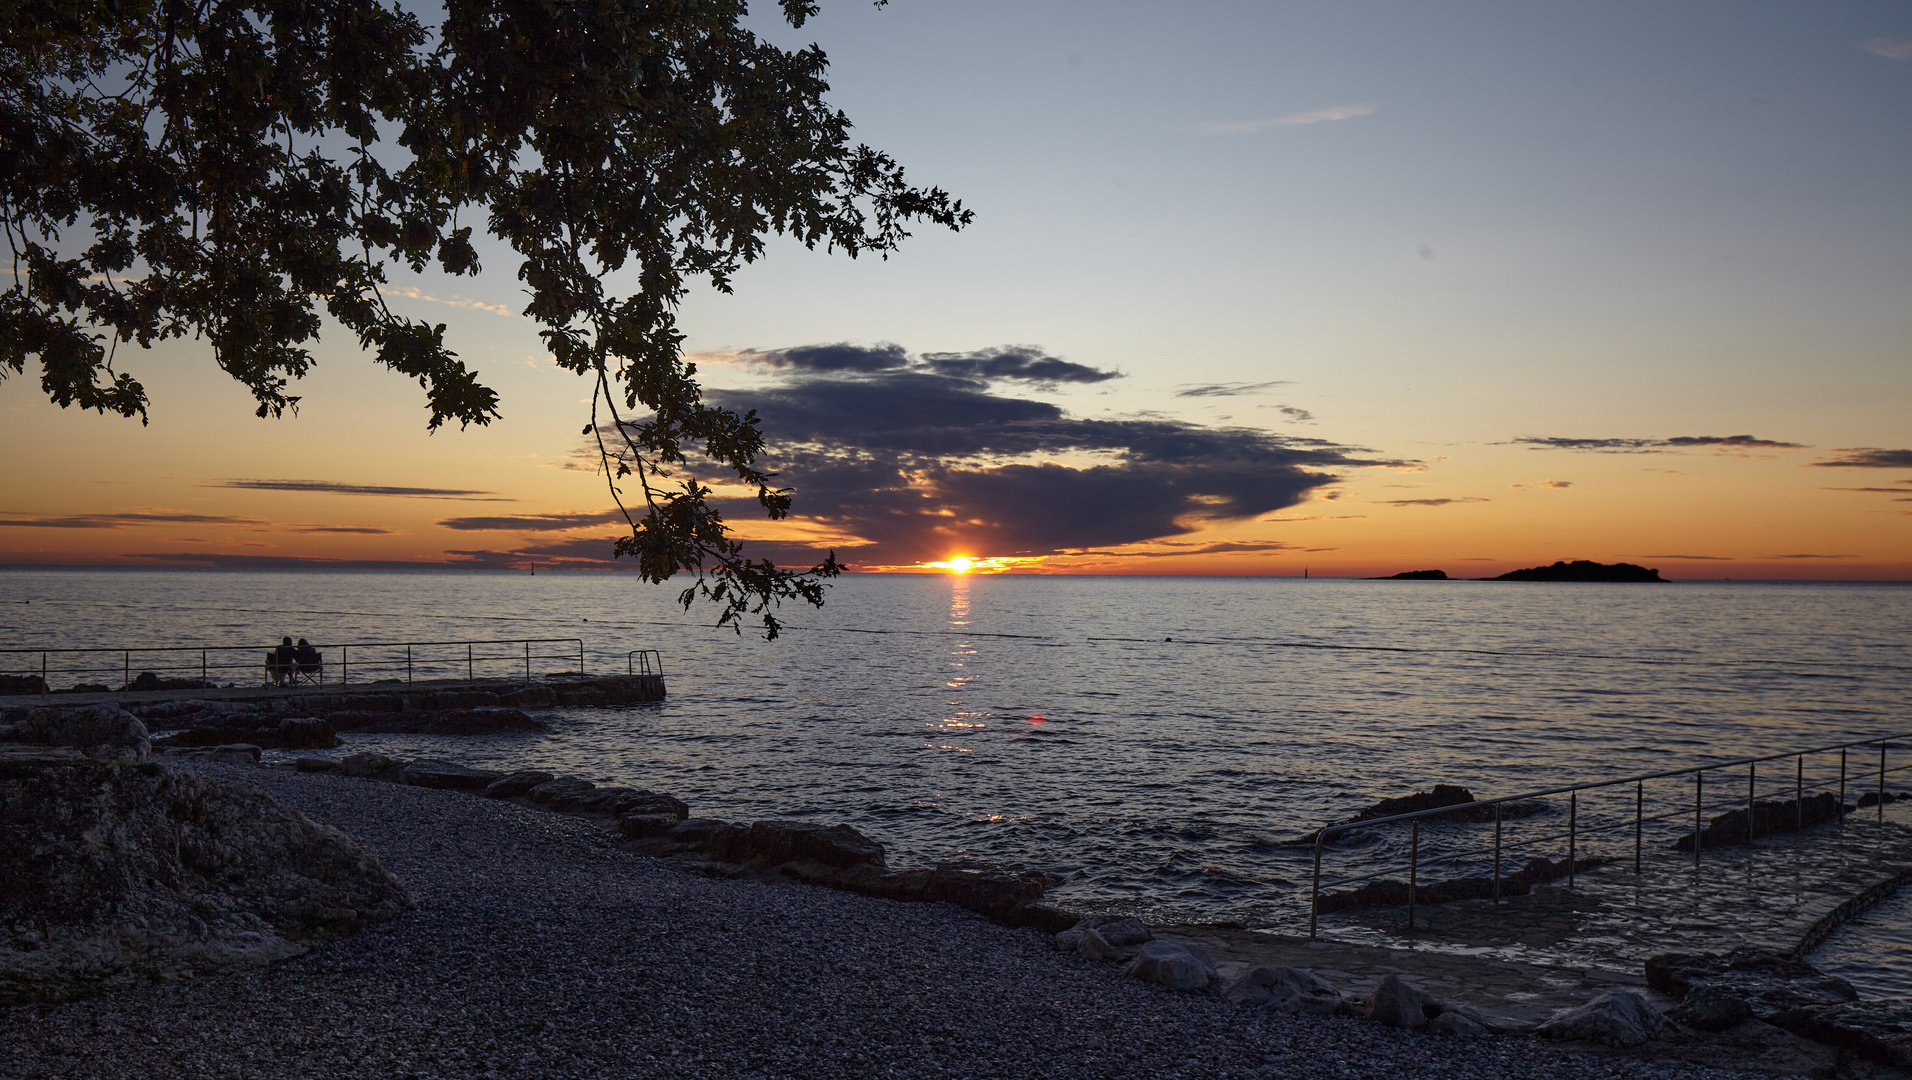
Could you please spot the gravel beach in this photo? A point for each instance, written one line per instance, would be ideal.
(539, 949)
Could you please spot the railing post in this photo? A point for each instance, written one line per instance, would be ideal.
(468, 667)
(1750, 773)
(126, 658)
(527, 663)
(1497, 854)
(1639, 808)
(345, 664)
(580, 656)
(1413, 871)
(202, 669)
(1842, 785)
(1799, 793)
(1573, 824)
(44, 688)
(408, 665)
(1881, 779)
(1314, 895)
(1699, 786)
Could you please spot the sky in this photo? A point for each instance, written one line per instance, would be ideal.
(1344, 288)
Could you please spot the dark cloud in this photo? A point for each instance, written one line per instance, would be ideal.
(1654, 446)
(1231, 389)
(1868, 457)
(1023, 363)
(1809, 556)
(330, 487)
(833, 358)
(921, 464)
(532, 522)
(1699, 558)
(1293, 413)
(1906, 495)
(358, 530)
(1430, 502)
(130, 520)
(271, 562)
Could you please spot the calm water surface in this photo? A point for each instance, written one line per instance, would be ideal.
(1148, 740)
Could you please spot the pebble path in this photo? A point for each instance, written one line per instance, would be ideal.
(540, 950)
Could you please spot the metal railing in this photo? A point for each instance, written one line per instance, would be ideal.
(644, 662)
(1575, 831)
(426, 659)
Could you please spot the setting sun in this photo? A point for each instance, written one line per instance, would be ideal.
(961, 564)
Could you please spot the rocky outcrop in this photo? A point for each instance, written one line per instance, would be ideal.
(1880, 1030)
(1582, 570)
(119, 872)
(1284, 989)
(447, 777)
(478, 720)
(1729, 829)
(1772, 986)
(1389, 892)
(1415, 575)
(101, 731)
(1616, 1018)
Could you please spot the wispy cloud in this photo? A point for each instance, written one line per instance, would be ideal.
(1890, 48)
(1301, 119)
(1542, 484)
(333, 487)
(1228, 389)
(532, 522)
(1868, 457)
(1654, 446)
(1695, 558)
(1431, 502)
(1809, 556)
(412, 292)
(129, 520)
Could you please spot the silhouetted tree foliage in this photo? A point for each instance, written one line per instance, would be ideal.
(222, 168)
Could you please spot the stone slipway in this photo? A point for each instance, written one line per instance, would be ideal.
(544, 692)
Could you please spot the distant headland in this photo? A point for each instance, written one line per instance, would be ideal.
(1582, 570)
(1577, 570)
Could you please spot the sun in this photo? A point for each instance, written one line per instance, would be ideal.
(961, 564)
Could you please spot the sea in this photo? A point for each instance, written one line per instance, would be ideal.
(1154, 744)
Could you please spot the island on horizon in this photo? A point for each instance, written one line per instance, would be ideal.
(1414, 575)
(1582, 570)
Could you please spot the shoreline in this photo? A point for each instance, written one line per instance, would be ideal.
(540, 948)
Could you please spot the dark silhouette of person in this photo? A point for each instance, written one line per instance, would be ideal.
(307, 661)
(283, 658)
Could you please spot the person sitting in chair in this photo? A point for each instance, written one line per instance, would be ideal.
(280, 662)
(306, 662)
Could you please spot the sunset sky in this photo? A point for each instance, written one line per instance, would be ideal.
(1345, 286)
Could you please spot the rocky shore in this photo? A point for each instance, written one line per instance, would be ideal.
(541, 948)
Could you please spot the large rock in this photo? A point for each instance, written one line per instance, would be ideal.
(566, 794)
(1616, 1018)
(369, 765)
(1400, 1004)
(448, 776)
(306, 733)
(1122, 931)
(1880, 1029)
(116, 873)
(988, 892)
(1093, 946)
(773, 843)
(101, 731)
(1771, 984)
(1174, 965)
(1284, 989)
(1711, 1008)
(478, 721)
(516, 784)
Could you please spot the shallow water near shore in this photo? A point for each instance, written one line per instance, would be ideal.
(1150, 741)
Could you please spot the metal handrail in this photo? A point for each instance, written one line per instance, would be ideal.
(1572, 790)
(344, 649)
(646, 659)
